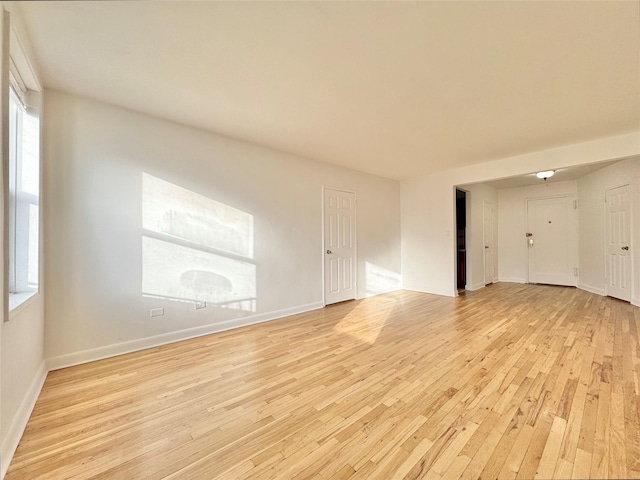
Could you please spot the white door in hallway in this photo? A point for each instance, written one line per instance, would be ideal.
(618, 246)
(489, 244)
(339, 246)
(552, 244)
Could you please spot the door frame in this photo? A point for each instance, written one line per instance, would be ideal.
(467, 207)
(606, 238)
(526, 209)
(355, 236)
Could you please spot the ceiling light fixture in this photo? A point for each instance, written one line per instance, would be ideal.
(545, 175)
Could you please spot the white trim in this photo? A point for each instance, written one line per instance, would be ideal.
(635, 302)
(107, 351)
(20, 419)
(324, 301)
(592, 289)
(442, 292)
(414, 288)
(512, 279)
(20, 54)
(369, 295)
(19, 301)
(626, 184)
(474, 287)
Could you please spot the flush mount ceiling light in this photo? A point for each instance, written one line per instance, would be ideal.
(545, 175)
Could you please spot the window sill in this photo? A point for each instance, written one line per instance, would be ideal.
(18, 301)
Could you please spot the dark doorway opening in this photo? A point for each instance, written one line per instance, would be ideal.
(461, 238)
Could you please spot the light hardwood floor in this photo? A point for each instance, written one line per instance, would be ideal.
(512, 381)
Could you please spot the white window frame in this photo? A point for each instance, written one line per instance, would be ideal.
(23, 98)
(20, 203)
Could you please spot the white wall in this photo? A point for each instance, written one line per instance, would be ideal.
(512, 226)
(477, 195)
(428, 235)
(591, 190)
(427, 205)
(95, 157)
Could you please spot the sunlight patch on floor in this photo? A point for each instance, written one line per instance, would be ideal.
(364, 322)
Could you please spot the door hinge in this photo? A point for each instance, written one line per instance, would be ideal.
(575, 271)
(575, 204)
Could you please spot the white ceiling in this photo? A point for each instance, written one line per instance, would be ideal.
(395, 89)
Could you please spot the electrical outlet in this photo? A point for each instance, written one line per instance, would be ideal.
(156, 312)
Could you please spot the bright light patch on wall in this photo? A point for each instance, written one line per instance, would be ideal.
(380, 280)
(182, 273)
(177, 212)
(196, 249)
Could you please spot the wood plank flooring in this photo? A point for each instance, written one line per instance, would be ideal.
(510, 382)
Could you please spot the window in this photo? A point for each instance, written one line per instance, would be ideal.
(24, 198)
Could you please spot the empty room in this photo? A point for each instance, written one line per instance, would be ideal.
(320, 240)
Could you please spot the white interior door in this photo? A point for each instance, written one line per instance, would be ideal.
(618, 264)
(488, 218)
(339, 246)
(552, 225)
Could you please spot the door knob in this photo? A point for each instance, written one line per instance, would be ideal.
(486, 246)
(626, 247)
(329, 252)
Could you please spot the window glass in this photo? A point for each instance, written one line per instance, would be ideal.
(24, 199)
(30, 177)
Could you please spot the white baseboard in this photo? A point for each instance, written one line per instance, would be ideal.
(412, 288)
(85, 356)
(440, 291)
(474, 287)
(589, 288)
(635, 302)
(371, 294)
(20, 419)
(512, 279)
